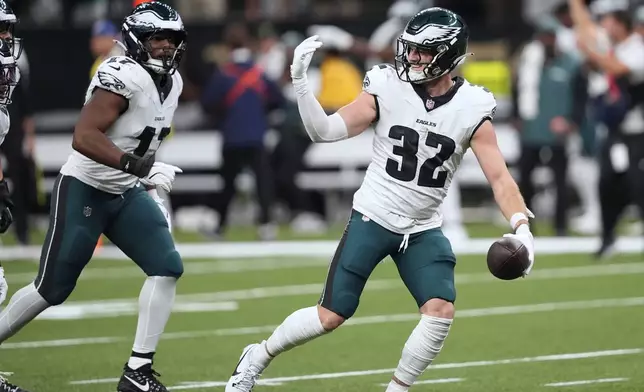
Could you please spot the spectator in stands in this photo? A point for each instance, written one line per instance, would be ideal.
(239, 96)
(19, 146)
(549, 110)
(583, 152)
(613, 48)
(102, 43)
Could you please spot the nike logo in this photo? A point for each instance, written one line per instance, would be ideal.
(116, 68)
(235, 372)
(144, 388)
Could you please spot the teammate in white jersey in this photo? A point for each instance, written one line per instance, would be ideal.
(424, 120)
(128, 111)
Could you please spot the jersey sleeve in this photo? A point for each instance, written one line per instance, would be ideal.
(483, 109)
(375, 81)
(117, 76)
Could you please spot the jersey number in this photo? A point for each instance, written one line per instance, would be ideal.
(429, 175)
(146, 138)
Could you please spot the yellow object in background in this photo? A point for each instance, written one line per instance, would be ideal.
(496, 76)
(340, 82)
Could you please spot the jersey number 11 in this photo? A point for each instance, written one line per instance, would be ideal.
(430, 174)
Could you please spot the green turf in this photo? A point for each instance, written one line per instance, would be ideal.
(355, 347)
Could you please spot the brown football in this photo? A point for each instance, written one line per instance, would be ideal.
(507, 258)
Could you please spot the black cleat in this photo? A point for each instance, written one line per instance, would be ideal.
(5, 386)
(143, 379)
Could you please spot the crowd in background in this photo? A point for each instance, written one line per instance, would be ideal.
(572, 93)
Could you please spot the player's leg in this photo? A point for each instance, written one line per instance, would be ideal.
(427, 269)
(559, 164)
(76, 220)
(363, 245)
(141, 231)
(232, 164)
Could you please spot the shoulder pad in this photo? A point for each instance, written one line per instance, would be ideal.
(376, 79)
(118, 74)
(5, 123)
(178, 81)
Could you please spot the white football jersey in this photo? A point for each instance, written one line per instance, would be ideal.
(417, 147)
(139, 130)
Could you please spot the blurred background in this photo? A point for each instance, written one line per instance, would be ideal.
(304, 190)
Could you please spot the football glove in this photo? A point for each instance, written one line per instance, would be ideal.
(161, 175)
(6, 218)
(524, 235)
(136, 165)
(302, 56)
(4, 287)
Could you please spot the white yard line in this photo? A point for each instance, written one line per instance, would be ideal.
(585, 382)
(435, 381)
(244, 250)
(358, 373)
(364, 320)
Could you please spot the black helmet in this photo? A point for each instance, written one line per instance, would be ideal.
(8, 21)
(441, 33)
(159, 20)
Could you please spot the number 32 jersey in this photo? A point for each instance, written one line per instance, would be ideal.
(139, 130)
(419, 142)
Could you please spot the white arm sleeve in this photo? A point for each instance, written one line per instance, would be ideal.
(320, 127)
(5, 122)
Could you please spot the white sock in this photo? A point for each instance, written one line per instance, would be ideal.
(300, 327)
(25, 305)
(423, 345)
(395, 387)
(155, 305)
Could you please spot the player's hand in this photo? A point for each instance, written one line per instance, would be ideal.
(302, 56)
(524, 235)
(161, 175)
(6, 218)
(136, 165)
(333, 36)
(4, 287)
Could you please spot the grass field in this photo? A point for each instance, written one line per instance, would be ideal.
(571, 320)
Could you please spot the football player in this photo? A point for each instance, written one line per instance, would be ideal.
(9, 78)
(424, 120)
(128, 109)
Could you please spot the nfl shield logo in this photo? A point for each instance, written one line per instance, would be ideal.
(429, 104)
(87, 211)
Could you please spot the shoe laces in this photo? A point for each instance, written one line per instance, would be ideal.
(249, 378)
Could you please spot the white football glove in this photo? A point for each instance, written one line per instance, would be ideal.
(161, 175)
(524, 235)
(4, 287)
(302, 56)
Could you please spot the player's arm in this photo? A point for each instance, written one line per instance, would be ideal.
(585, 27)
(349, 121)
(506, 191)
(96, 117)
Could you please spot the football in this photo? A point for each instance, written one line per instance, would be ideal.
(507, 258)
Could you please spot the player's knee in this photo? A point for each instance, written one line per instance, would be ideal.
(171, 265)
(58, 295)
(329, 319)
(438, 307)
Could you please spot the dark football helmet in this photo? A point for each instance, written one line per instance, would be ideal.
(439, 32)
(154, 20)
